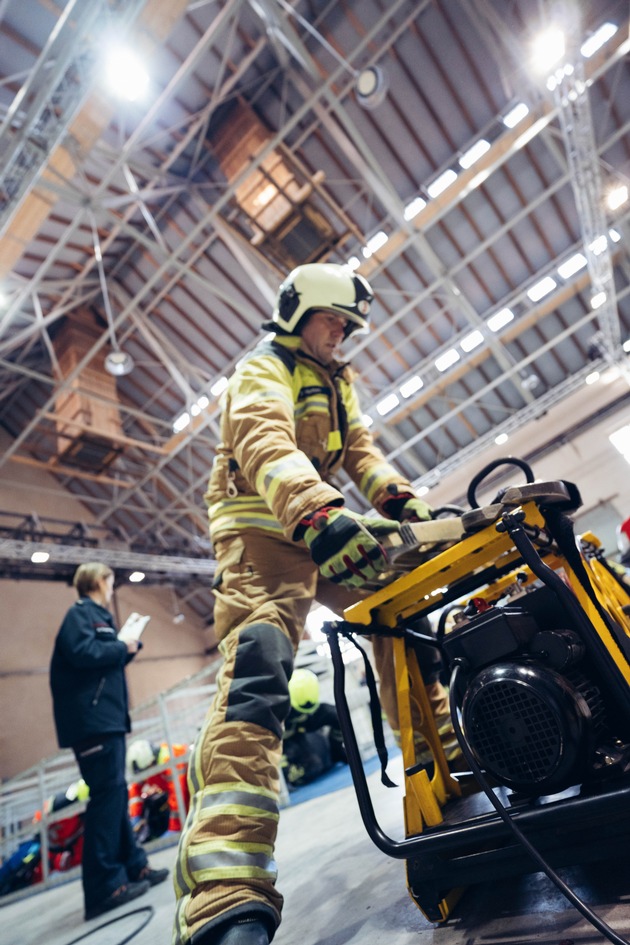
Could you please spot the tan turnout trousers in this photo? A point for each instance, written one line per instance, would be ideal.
(225, 867)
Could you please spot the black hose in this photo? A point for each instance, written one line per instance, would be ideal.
(149, 909)
(471, 495)
(566, 891)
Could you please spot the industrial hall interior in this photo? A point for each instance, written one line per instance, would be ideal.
(179, 179)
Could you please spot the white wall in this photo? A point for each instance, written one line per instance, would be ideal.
(589, 460)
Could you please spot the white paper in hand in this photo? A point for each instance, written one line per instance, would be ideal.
(133, 627)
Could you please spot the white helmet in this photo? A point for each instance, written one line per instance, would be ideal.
(141, 754)
(321, 287)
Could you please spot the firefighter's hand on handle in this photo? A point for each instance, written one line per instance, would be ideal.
(405, 507)
(345, 546)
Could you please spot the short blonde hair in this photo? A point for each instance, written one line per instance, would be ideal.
(88, 575)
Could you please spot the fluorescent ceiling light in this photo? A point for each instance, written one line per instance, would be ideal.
(617, 197)
(181, 423)
(40, 557)
(411, 386)
(203, 402)
(598, 245)
(615, 235)
(388, 404)
(572, 265)
(472, 340)
(515, 115)
(473, 154)
(548, 49)
(542, 288)
(219, 386)
(414, 207)
(136, 576)
(501, 439)
(620, 439)
(597, 40)
(367, 420)
(592, 378)
(353, 263)
(421, 490)
(598, 300)
(500, 319)
(441, 183)
(125, 74)
(375, 242)
(626, 345)
(447, 359)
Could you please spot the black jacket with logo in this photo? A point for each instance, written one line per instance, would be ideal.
(87, 676)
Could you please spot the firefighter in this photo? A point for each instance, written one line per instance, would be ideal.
(282, 536)
(312, 742)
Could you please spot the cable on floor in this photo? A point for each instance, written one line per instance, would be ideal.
(148, 909)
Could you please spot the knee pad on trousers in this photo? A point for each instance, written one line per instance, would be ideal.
(259, 691)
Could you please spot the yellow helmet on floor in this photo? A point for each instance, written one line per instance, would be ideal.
(304, 691)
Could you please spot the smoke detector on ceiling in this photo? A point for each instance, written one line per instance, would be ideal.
(370, 87)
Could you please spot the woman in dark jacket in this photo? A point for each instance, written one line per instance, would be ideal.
(90, 702)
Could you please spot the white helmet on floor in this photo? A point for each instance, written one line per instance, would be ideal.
(141, 754)
(321, 287)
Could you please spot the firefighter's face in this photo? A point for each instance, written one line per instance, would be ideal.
(322, 335)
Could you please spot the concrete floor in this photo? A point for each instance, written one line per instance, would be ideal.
(341, 890)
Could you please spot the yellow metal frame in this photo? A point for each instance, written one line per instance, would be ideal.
(419, 591)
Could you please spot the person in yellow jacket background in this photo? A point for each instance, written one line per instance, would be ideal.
(282, 536)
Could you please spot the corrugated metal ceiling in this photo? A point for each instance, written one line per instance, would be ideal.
(138, 213)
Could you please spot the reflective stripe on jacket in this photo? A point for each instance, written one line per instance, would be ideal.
(288, 425)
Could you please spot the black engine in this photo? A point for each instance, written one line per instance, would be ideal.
(534, 711)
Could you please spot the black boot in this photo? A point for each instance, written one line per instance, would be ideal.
(242, 932)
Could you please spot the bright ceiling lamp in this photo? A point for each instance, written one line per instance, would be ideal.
(547, 50)
(374, 243)
(411, 386)
(617, 197)
(597, 40)
(500, 319)
(572, 265)
(441, 183)
(40, 557)
(414, 207)
(219, 386)
(542, 288)
(473, 153)
(471, 341)
(136, 576)
(388, 404)
(501, 439)
(446, 360)
(181, 422)
(125, 74)
(516, 114)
